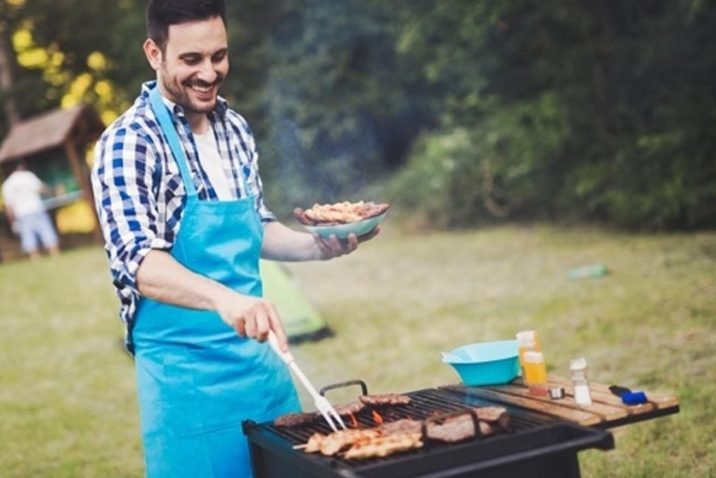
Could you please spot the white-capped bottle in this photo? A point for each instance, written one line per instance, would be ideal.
(580, 383)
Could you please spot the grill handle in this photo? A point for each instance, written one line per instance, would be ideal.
(333, 386)
(437, 419)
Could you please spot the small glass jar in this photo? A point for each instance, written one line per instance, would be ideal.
(580, 382)
(535, 373)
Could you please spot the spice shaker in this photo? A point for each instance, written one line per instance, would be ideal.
(578, 371)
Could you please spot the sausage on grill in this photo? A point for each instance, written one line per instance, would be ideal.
(385, 399)
(347, 409)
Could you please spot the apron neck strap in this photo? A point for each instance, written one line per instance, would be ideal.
(170, 134)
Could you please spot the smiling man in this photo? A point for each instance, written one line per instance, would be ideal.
(191, 67)
(181, 205)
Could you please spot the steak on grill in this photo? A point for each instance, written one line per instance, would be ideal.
(495, 416)
(456, 428)
(295, 419)
(461, 427)
(300, 419)
(405, 425)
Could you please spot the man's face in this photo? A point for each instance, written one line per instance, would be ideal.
(194, 64)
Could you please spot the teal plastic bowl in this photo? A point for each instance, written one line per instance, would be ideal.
(485, 363)
(359, 228)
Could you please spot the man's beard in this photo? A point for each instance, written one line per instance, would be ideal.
(180, 93)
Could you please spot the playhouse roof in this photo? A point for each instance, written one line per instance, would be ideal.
(81, 124)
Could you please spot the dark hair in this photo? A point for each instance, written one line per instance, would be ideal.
(161, 14)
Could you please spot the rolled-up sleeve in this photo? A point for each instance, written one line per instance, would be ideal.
(125, 199)
(251, 170)
(264, 212)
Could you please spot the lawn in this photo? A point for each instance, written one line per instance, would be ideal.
(67, 397)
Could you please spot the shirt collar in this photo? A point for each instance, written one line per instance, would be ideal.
(220, 109)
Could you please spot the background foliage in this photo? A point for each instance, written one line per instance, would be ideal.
(465, 112)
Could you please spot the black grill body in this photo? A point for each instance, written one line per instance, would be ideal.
(537, 445)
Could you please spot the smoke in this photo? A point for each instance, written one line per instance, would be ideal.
(325, 143)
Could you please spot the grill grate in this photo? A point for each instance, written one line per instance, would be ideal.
(424, 404)
(529, 429)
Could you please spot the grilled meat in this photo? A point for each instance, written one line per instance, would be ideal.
(453, 429)
(339, 213)
(334, 442)
(295, 419)
(462, 427)
(300, 215)
(405, 425)
(405, 434)
(382, 446)
(363, 443)
(385, 399)
(347, 409)
(299, 419)
(495, 416)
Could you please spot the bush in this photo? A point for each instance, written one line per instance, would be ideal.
(506, 167)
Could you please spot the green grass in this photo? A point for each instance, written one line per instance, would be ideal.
(67, 398)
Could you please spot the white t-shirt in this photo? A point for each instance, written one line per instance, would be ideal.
(21, 192)
(211, 162)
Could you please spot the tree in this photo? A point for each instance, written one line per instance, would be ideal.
(339, 103)
(6, 80)
(68, 57)
(595, 111)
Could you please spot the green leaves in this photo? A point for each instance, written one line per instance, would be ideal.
(590, 111)
(575, 111)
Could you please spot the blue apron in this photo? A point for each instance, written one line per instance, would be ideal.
(197, 379)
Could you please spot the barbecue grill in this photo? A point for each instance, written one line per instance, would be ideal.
(536, 445)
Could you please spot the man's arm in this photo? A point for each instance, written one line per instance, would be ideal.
(282, 243)
(123, 182)
(162, 278)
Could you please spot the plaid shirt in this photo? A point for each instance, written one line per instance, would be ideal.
(138, 189)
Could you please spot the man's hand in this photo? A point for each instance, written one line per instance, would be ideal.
(163, 279)
(252, 317)
(330, 247)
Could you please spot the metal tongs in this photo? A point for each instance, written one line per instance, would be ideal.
(322, 404)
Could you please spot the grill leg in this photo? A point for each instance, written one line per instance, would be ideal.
(265, 464)
(562, 465)
(257, 462)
